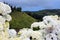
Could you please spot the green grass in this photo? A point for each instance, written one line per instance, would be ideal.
(21, 20)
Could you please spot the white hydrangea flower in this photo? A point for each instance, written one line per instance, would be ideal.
(2, 35)
(1, 27)
(37, 35)
(7, 17)
(25, 33)
(15, 38)
(26, 39)
(1, 7)
(43, 32)
(7, 9)
(55, 17)
(58, 35)
(6, 34)
(51, 36)
(42, 25)
(11, 38)
(12, 33)
(4, 8)
(35, 24)
(29, 32)
(2, 20)
(6, 25)
(47, 19)
(22, 30)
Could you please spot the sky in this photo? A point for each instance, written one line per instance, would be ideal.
(34, 5)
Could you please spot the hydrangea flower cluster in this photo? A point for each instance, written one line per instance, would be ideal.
(48, 29)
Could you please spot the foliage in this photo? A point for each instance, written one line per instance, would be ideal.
(41, 13)
(21, 20)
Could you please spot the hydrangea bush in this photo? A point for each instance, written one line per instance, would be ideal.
(48, 29)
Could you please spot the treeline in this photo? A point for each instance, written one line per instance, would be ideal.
(14, 8)
(41, 13)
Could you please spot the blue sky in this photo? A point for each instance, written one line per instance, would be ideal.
(34, 5)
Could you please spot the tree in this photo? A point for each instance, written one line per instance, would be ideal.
(19, 9)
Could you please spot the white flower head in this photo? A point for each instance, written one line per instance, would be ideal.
(7, 17)
(36, 35)
(4, 8)
(6, 25)
(2, 20)
(35, 26)
(55, 17)
(7, 9)
(22, 30)
(12, 33)
(24, 33)
(1, 27)
(51, 36)
(26, 39)
(1, 7)
(47, 19)
(42, 25)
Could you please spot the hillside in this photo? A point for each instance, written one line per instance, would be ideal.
(41, 13)
(20, 20)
